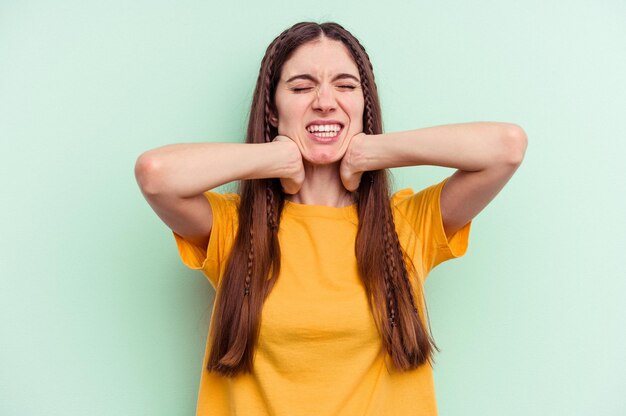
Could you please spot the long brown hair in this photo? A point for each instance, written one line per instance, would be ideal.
(254, 261)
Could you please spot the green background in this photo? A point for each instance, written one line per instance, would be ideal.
(98, 315)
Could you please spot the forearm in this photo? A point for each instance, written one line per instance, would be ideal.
(466, 146)
(189, 169)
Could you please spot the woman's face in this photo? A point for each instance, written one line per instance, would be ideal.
(319, 100)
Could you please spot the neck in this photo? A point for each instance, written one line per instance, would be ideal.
(322, 186)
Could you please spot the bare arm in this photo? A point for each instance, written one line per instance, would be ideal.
(173, 178)
(486, 154)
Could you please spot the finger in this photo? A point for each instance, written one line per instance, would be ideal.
(289, 186)
(356, 181)
(282, 138)
(352, 181)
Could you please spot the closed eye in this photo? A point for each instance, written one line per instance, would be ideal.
(302, 89)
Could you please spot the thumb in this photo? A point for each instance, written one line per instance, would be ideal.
(349, 178)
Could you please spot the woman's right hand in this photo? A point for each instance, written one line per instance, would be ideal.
(293, 178)
(174, 178)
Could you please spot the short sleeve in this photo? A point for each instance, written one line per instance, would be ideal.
(422, 212)
(212, 263)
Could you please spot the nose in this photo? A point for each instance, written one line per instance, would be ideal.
(324, 99)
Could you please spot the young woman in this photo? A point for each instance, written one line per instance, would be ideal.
(318, 268)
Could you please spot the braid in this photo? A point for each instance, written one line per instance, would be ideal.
(268, 136)
(364, 82)
(389, 240)
(405, 278)
(406, 343)
(389, 271)
(271, 214)
(391, 244)
(250, 264)
(368, 107)
(267, 83)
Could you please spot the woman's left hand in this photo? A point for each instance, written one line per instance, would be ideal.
(351, 168)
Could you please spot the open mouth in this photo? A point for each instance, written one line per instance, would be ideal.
(324, 131)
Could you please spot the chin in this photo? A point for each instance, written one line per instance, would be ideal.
(322, 157)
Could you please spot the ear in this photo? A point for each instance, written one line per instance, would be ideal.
(273, 119)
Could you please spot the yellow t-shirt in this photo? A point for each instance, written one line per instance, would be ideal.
(319, 352)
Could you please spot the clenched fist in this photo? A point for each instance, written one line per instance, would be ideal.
(293, 178)
(351, 168)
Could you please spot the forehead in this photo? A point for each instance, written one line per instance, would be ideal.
(320, 58)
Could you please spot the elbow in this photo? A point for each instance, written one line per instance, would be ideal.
(515, 142)
(147, 173)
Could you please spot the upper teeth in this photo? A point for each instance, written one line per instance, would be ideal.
(324, 127)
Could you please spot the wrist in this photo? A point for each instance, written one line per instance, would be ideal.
(362, 153)
(287, 161)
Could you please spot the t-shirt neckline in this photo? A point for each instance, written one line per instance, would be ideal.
(307, 210)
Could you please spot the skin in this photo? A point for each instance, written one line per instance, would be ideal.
(323, 96)
(485, 154)
(174, 177)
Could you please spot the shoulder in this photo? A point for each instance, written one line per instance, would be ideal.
(223, 203)
(401, 195)
(408, 196)
(226, 199)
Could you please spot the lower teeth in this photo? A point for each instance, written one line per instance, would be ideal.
(333, 134)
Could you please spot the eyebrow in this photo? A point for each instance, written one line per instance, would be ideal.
(312, 78)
